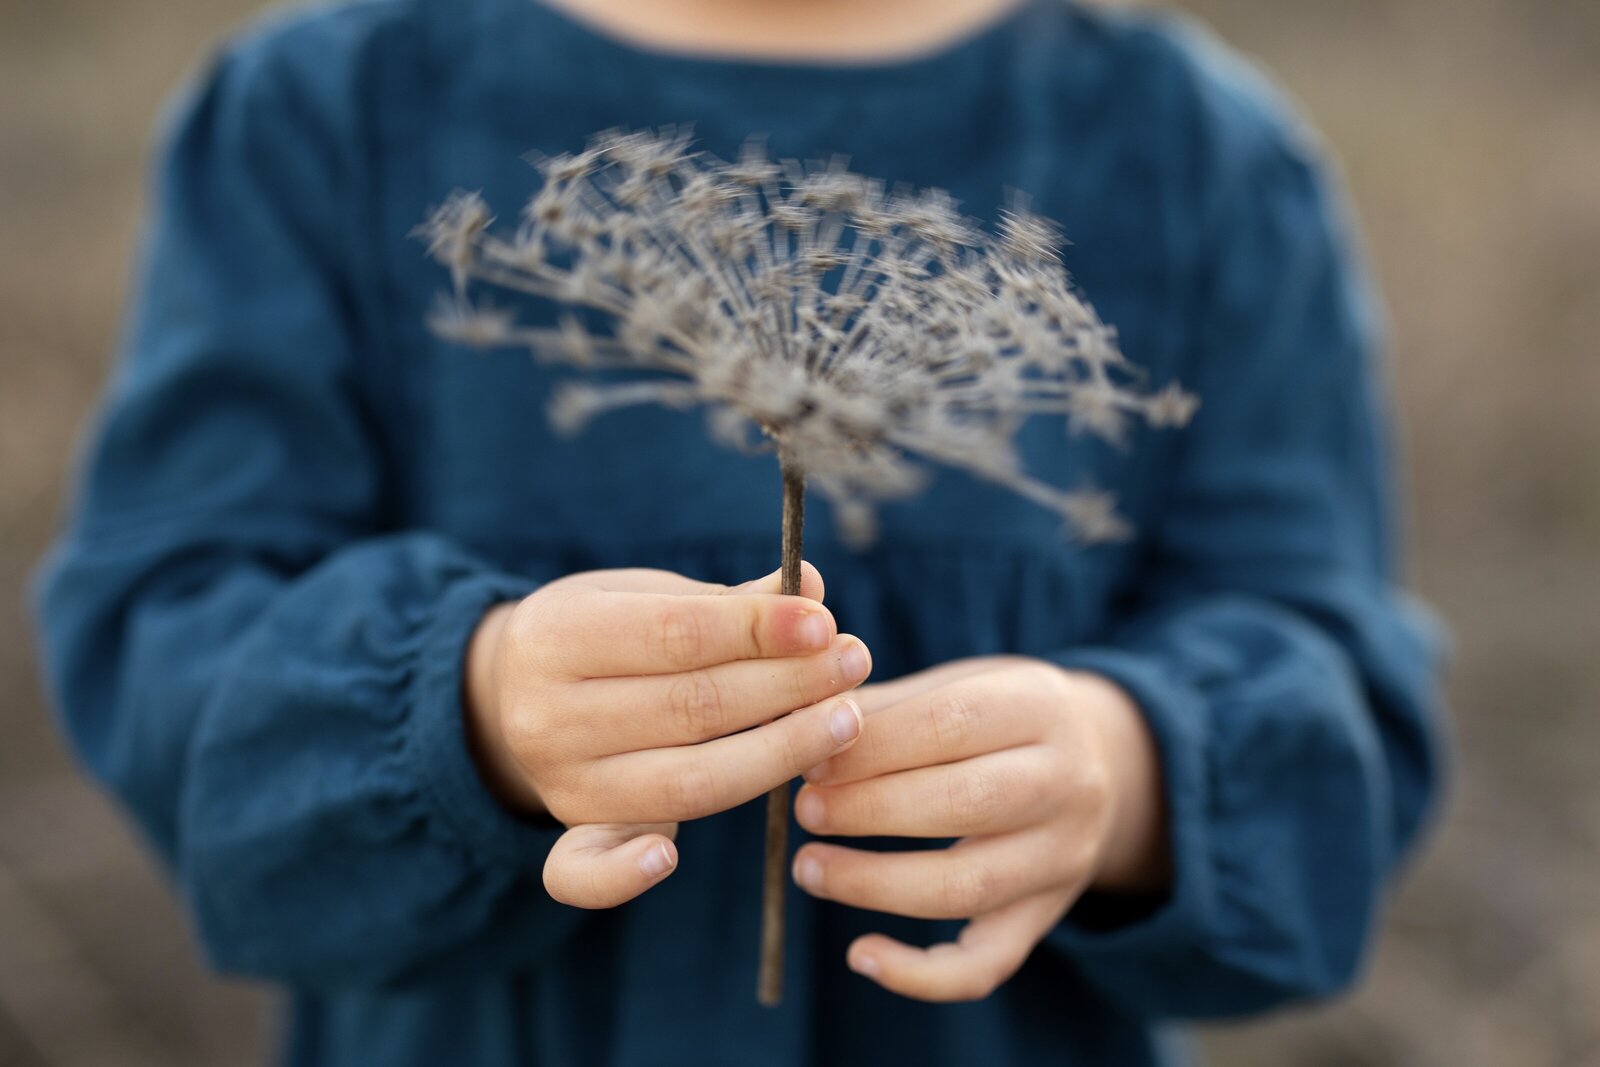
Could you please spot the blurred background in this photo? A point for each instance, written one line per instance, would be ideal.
(1470, 134)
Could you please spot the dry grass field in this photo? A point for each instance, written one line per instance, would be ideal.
(1470, 133)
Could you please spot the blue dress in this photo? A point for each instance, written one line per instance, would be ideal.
(297, 503)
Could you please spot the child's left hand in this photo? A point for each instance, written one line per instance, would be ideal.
(1051, 780)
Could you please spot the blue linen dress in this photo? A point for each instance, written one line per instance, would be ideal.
(298, 503)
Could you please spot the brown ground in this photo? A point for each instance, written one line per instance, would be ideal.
(1471, 133)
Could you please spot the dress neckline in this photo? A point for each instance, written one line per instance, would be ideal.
(912, 64)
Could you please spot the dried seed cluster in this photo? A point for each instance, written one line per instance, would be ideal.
(851, 327)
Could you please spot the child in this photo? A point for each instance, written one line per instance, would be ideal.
(366, 648)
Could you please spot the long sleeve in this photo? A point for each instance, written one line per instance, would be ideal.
(242, 647)
(1288, 682)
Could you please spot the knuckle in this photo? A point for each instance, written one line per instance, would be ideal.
(690, 792)
(560, 881)
(527, 735)
(965, 989)
(571, 882)
(755, 621)
(980, 984)
(1036, 677)
(976, 797)
(537, 615)
(679, 635)
(809, 683)
(1085, 783)
(1094, 788)
(523, 633)
(535, 634)
(527, 618)
(967, 890)
(695, 704)
(797, 752)
(954, 721)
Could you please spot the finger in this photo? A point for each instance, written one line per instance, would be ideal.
(988, 794)
(882, 695)
(811, 584)
(630, 714)
(649, 580)
(988, 952)
(601, 866)
(950, 722)
(593, 634)
(691, 782)
(972, 877)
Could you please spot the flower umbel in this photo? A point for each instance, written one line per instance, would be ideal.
(851, 328)
(857, 328)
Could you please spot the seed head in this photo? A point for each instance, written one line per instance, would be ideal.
(852, 330)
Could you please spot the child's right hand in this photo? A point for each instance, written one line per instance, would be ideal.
(623, 702)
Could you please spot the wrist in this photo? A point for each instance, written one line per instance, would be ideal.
(481, 708)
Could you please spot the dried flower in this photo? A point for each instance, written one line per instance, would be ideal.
(851, 328)
(856, 328)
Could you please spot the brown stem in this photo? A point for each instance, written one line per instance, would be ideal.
(794, 520)
(769, 985)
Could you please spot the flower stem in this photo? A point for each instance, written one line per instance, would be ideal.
(769, 985)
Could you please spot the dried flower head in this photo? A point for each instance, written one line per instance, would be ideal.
(850, 327)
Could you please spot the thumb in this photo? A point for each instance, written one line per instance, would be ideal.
(603, 865)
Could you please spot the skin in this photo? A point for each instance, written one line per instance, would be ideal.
(621, 703)
(847, 30)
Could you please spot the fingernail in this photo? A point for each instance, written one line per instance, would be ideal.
(808, 873)
(855, 662)
(866, 966)
(808, 808)
(815, 633)
(844, 721)
(656, 862)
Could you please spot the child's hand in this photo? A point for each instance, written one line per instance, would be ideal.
(623, 702)
(1050, 779)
